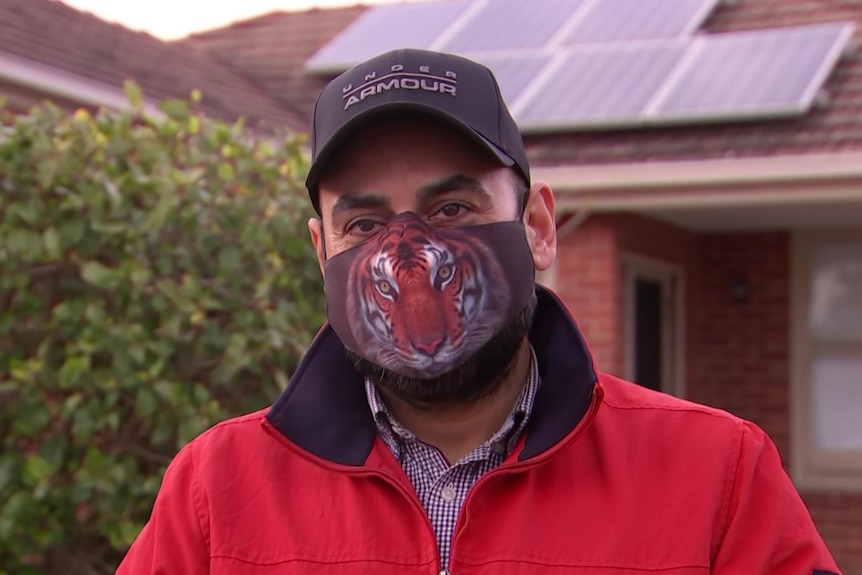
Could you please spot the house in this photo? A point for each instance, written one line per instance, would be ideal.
(716, 256)
(49, 51)
(708, 176)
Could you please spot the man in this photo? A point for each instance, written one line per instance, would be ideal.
(449, 417)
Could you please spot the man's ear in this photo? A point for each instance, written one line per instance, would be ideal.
(315, 228)
(540, 222)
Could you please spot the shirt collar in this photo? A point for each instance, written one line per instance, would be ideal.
(393, 433)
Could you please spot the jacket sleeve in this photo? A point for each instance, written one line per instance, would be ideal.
(768, 529)
(176, 538)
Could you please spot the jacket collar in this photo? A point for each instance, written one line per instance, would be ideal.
(324, 409)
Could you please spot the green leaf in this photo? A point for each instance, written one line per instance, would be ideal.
(36, 469)
(95, 461)
(124, 533)
(52, 242)
(23, 241)
(162, 432)
(134, 94)
(8, 471)
(96, 274)
(71, 231)
(71, 404)
(146, 403)
(229, 259)
(33, 423)
(226, 171)
(177, 110)
(72, 370)
(157, 218)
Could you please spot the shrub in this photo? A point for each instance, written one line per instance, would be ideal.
(155, 277)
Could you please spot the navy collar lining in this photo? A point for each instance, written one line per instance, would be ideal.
(324, 409)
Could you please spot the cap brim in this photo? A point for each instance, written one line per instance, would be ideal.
(366, 117)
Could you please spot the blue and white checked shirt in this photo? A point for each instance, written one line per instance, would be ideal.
(442, 488)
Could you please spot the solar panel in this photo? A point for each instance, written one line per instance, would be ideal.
(512, 25)
(620, 20)
(575, 64)
(514, 72)
(768, 71)
(598, 86)
(385, 28)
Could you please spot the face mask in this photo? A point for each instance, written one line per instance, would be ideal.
(420, 300)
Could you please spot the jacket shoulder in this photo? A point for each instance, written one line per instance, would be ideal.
(660, 422)
(625, 395)
(227, 440)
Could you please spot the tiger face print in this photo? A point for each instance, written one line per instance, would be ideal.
(424, 299)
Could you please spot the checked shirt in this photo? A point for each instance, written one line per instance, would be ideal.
(442, 487)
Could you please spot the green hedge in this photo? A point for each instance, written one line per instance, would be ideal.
(155, 277)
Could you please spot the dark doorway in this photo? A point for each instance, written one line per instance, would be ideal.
(648, 333)
(652, 314)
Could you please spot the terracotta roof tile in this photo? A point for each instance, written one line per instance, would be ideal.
(273, 48)
(53, 34)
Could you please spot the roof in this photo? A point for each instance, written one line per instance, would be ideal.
(836, 126)
(274, 48)
(50, 33)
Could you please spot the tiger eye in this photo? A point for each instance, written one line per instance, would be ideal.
(444, 272)
(384, 286)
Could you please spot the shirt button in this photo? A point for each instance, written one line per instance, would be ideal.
(448, 493)
(499, 448)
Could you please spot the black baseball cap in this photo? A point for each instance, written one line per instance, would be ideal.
(453, 89)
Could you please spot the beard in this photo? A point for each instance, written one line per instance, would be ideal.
(469, 382)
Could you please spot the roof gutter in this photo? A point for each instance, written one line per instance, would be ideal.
(706, 183)
(55, 82)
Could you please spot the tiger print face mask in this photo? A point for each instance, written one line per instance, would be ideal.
(420, 300)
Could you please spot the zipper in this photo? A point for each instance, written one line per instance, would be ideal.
(598, 394)
(515, 467)
(414, 499)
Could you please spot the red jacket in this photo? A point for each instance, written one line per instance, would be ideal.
(610, 479)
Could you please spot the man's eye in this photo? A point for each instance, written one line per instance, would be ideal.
(451, 210)
(363, 226)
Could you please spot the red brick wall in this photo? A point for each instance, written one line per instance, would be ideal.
(588, 281)
(737, 353)
(742, 348)
(590, 273)
(743, 362)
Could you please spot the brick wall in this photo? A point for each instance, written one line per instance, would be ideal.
(743, 365)
(589, 274)
(737, 353)
(587, 279)
(742, 348)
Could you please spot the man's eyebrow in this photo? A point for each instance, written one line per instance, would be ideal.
(351, 201)
(451, 183)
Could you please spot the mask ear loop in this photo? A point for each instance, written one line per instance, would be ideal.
(524, 198)
(323, 240)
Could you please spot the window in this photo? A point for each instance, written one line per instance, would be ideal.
(827, 361)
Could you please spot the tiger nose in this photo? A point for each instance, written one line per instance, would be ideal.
(429, 347)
